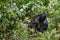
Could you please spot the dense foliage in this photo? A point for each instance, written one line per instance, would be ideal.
(16, 14)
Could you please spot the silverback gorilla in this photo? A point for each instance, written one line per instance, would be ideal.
(39, 22)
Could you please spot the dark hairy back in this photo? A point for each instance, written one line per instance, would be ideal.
(39, 22)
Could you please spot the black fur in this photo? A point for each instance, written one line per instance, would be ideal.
(39, 22)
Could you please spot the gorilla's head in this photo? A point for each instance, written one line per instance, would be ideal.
(41, 17)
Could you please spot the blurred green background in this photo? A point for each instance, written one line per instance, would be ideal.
(16, 14)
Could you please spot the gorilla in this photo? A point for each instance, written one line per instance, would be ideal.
(39, 22)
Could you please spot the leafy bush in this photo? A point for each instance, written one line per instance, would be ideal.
(16, 14)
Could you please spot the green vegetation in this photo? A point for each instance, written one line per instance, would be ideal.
(16, 14)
